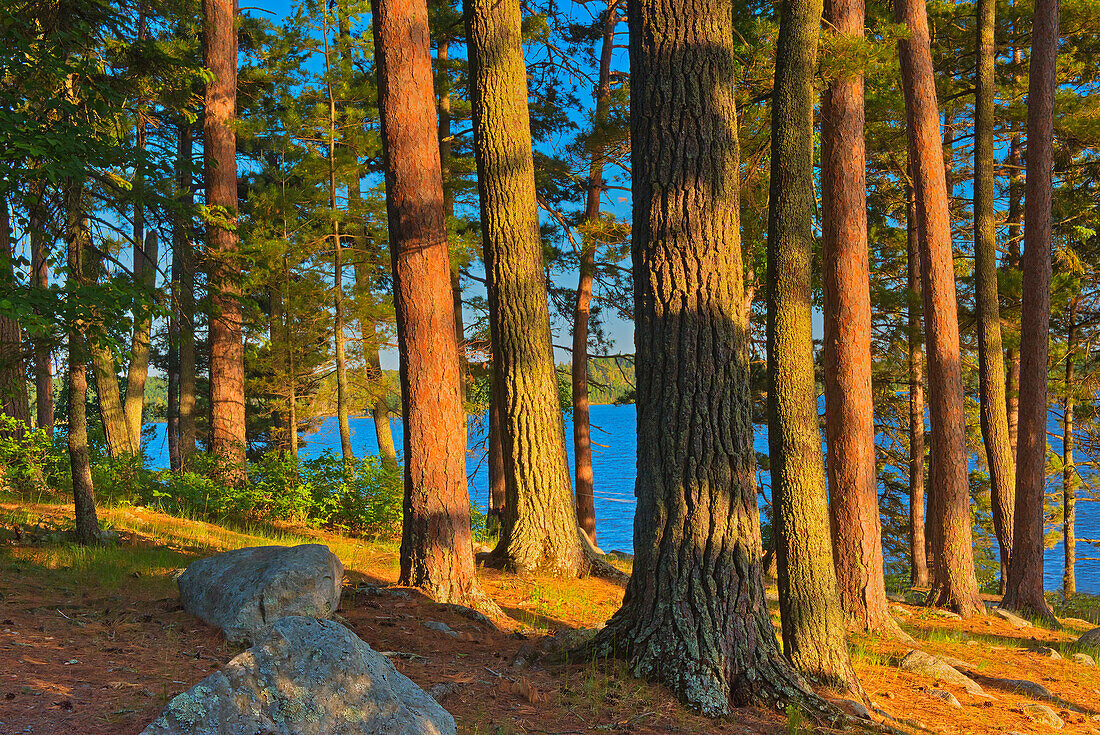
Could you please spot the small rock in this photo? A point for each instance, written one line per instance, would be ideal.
(854, 708)
(919, 662)
(482, 549)
(1014, 620)
(946, 615)
(1023, 685)
(899, 611)
(1083, 658)
(441, 627)
(441, 691)
(620, 555)
(895, 597)
(946, 696)
(1077, 623)
(1044, 715)
(1050, 653)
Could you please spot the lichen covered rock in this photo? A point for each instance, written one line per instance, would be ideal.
(307, 677)
(245, 591)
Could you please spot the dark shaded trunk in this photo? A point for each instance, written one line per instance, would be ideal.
(145, 277)
(918, 571)
(186, 252)
(1024, 590)
(13, 381)
(694, 616)
(436, 547)
(111, 408)
(1012, 261)
(495, 460)
(227, 420)
(539, 528)
(954, 583)
(43, 363)
(849, 406)
(991, 372)
(1070, 479)
(76, 238)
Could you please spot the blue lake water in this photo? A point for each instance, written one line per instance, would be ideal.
(613, 464)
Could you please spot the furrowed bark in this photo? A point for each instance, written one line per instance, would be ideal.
(954, 583)
(694, 616)
(814, 636)
(436, 547)
(227, 419)
(539, 529)
(1070, 478)
(1024, 590)
(13, 382)
(849, 407)
(918, 572)
(43, 362)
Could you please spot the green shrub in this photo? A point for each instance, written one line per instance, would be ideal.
(29, 459)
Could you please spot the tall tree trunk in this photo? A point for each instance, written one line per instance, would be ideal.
(991, 372)
(338, 264)
(539, 529)
(918, 571)
(227, 416)
(76, 237)
(496, 501)
(381, 412)
(291, 370)
(138, 370)
(183, 247)
(111, 410)
(443, 52)
(145, 275)
(814, 637)
(1069, 468)
(849, 407)
(1015, 239)
(13, 380)
(582, 428)
(694, 616)
(43, 363)
(436, 546)
(1024, 590)
(954, 582)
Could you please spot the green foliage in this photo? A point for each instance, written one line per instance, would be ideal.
(359, 497)
(29, 459)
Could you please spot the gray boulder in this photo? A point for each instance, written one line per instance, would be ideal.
(307, 677)
(1084, 659)
(245, 591)
(1044, 715)
(1012, 619)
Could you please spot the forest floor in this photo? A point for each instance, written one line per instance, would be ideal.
(94, 641)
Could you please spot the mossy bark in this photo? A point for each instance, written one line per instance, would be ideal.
(694, 616)
(538, 527)
(814, 635)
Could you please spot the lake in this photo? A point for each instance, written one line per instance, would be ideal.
(613, 464)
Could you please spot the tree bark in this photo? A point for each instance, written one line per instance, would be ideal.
(338, 263)
(137, 371)
(539, 529)
(76, 236)
(183, 247)
(13, 381)
(991, 372)
(436, 547)
(954, 582)
(227, 415)
(849, 407)
(1024, 590)
(1070, 478)
(582, 427)
(111, 408)
(694, 616)
(43, 362)
(814, 637)
(1015, 239)
(918, 571)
